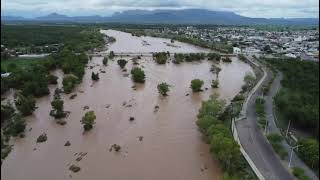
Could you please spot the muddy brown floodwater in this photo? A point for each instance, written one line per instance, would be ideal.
(156, 145)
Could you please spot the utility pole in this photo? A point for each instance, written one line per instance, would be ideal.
(288, 128)
(292, 148)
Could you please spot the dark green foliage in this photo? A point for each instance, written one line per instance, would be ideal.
(122, 63)
(260, 107)
(72, 63)
(298, 100)
(214, 56)
(309, 152)
(17, 125)
(35, 37)
(163, 88)
(95, 76)
(242, 57)
(299, 173)
(7, 111)
(226, 59)
(178, 58)
(69, 83)
(222, 145)
(25, 104)
(250, 81)
(88, 120)
(138, 75)
(275, 140)
(57, 112)
(238, 97)
(196, 85)
(52, 79)
(160, 57)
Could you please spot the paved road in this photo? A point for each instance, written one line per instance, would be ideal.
(272, 128)
(256, 145)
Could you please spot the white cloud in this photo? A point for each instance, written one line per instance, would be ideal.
(251, 8)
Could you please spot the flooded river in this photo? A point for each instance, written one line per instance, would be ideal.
(170, 148)
(127, 43)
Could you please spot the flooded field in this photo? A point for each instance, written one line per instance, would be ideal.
(125, 42)
(158, 144)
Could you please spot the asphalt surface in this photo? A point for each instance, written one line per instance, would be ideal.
(257, 146)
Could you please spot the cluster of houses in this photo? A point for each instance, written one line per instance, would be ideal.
(290, 43)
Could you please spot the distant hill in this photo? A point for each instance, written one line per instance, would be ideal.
(186, 16)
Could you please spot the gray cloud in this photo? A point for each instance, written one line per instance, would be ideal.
(251, 8)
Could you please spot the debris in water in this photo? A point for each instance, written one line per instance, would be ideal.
(42, 138)
(116, 147)
(73, 96)
(107, 106)
(67, 143)
(131, 118)
(140, 138)
(74, 168)
(85, 107)
(187, 94)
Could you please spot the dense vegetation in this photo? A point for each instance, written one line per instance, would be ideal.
(213, 123)
(298, 100)
(25, 104)
(161, 57)
(122, 63)
(78, 38)
(138, 75)
(88, 120)
(196, 85)
(163, 88)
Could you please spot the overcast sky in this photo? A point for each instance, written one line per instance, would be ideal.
(250, 8)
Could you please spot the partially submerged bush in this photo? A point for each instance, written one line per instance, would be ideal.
(52, 79)
(88, 120)
(25, 104)
(161, 57)
(138, 75)
(105, 61)
(95, 76)
(69, 83)
(196, 85)
(17, 125)
(163, 88)
(122, 63)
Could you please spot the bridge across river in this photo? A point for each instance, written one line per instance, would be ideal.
(148, 54)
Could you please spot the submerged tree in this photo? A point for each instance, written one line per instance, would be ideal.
(95, 76)
(196, 85)
(138, 75)
(105, 61)
(57, 111)
(122, 63)
(215, 84)
(88, 120)
(25, 104)
(163, 88)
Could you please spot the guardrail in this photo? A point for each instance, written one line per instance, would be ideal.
(243, 116)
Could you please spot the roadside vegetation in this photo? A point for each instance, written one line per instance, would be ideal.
(214, 122)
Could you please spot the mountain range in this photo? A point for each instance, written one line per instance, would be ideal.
(186, 16)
